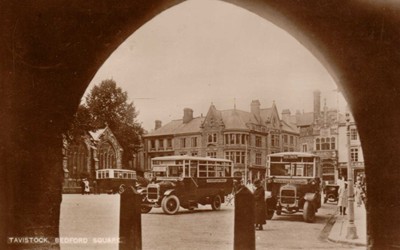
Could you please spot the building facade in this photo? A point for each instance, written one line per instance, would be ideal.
(244, 137)
(319, 133)
(350, 148)
(95, 150)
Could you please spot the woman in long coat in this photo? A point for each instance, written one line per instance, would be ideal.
(342, 202)
(260, 207)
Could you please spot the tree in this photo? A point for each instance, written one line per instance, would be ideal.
(107, 104)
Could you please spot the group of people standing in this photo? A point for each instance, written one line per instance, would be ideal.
(260, 208)
(343, 194)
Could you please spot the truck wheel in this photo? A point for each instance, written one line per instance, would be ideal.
(270, 213)
(216, 202)
(308, 212)
(145, 209)
(170, 204)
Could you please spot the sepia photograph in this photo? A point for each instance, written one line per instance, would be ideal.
(200, 124)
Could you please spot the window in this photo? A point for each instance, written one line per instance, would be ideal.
(285, 139)
(194, 141)
(258, 141)
(183, 142)
(258, 158)
(212, 154)
(291, 140)
(236, 156)
(194, 153)
(333, 142)
(354, 154)
(325, 143)
(304, 148)
(317, 144)
(212, 138)
(275, 140)
(237, 139)
(161, 143)
(152, 144)
(169, 143)
(353, 134)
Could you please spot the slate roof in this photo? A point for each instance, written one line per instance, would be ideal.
(178, 127)
(289, 127)
(231, 118)
(304, 119)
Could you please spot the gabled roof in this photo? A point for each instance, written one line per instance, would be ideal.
(237, 119)
(289, 127)
(178, 127)
(97, 133)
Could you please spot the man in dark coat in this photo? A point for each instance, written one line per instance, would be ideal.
(260, 207)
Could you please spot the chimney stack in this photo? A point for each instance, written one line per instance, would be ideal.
(158, 124)
(255, 107)
(187, 115)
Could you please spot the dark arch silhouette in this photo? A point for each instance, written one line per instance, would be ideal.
(51, 50)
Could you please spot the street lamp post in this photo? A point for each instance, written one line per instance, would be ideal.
(351, 228)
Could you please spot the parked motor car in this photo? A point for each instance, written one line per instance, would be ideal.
(331, 193)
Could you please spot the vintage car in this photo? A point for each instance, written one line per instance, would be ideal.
(293, 184)
(331, 193)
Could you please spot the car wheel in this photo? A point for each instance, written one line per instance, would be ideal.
(308, 212)
(216, 203)
(170, 204)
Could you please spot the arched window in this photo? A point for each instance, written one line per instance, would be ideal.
(317, 144)
(333, 143)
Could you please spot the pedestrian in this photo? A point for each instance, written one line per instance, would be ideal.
(87, 187)
(83, 186)
(260, 206)
(358, 192)
(95, 191)
(342, 202)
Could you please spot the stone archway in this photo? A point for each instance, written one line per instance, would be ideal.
(50, 51)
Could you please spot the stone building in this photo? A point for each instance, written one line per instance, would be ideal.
(244, 137)
(95, 150)
(319, 134)
(348, 134)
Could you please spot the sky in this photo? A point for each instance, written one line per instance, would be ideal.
(204, 52)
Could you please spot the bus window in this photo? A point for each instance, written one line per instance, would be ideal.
(173, 171)
(308, 170)
(202, 171)
(228, 169)
(186, 172)
(220, 171)
(193, 168)
(280, 169)
(299, 169)
(211, 171)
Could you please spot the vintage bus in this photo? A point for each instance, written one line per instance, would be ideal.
(293, 182)
(187, 181)
(112, 180)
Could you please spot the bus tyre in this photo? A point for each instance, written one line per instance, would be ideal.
(145, 209)
(170, 204)
(216, 202)
(308, 212)
(270, 213)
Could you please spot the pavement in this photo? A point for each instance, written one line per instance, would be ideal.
(339, 229)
